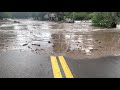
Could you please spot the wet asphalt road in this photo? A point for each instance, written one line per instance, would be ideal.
(16, 64)
(106, 67)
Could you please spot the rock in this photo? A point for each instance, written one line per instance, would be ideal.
(36, 49)
(49, 42)
(16, 22)
(25, 44)
(93, 50)
(68, 20)
(36, 44)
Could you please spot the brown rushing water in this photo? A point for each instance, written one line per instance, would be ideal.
(78, 40)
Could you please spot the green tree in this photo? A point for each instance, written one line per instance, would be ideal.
(3, 15)
(105, 19)
(78, 15)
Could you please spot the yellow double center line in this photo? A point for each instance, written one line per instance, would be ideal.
(56, 69)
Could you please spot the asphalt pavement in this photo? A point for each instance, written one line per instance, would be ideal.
(24, 64)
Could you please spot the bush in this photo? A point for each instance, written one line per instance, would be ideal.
(81, 16)
(105, 19)
(78, 15)
(68, 14)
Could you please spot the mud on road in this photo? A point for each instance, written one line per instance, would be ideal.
(79, 40)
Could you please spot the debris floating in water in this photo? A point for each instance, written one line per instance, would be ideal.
(25, 44)
(49, 42)
(36, 44)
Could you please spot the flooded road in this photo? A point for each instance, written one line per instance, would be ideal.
(78, 41)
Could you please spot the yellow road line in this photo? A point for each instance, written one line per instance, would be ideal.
(65, 67)
(55, 67)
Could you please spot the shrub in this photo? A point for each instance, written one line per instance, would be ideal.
(81, 16)
(105, 19)
(78, 15)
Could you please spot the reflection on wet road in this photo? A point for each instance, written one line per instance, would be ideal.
(78, 40)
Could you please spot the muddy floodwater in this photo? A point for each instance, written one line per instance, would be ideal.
(79, 40)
